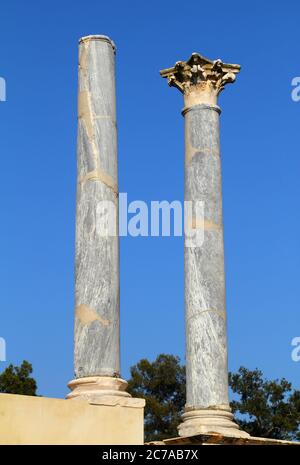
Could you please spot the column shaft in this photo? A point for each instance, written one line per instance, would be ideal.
(97, 303)
(206, 347)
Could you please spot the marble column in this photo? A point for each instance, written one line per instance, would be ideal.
(207, 404)
(97, 296)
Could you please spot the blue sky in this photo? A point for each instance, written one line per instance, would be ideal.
(260, 162)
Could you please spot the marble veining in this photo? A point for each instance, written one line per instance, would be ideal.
(97, 298)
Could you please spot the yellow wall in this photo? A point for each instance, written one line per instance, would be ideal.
(40, 420)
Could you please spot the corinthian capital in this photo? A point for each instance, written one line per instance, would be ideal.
(199, 79)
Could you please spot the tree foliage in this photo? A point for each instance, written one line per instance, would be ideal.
(263, 408)
(269, 409)
(162, 384)
(17, 380)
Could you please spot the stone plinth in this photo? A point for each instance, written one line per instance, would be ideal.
(29, 420)
(219, 439)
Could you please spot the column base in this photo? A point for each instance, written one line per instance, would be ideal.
(217, 419)
(100, 390)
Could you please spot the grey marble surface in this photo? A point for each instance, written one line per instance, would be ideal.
(206, 346)
(97, 303)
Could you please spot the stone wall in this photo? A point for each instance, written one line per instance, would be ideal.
(40, 420)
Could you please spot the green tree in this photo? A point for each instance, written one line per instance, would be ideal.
(263, 408)
(269, 409)
(162, 384)
(17, 380)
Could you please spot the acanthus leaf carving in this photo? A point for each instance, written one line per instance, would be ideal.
(199, 70)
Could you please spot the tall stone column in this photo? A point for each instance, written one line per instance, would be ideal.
(97, 296)
(207, 404)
